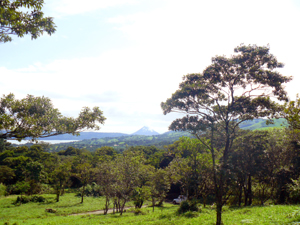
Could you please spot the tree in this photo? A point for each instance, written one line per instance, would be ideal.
(58, 179)
(14, 20)
(228, 92)
(159, 186)
(36, 117)
(84, 173)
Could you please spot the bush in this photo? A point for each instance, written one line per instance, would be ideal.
(2, 190)
(186, 206)
(138, 212)
(38, 199)
(26, 199)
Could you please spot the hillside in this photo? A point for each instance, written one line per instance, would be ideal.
(258, 124)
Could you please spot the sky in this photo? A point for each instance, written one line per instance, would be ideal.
(128, 56)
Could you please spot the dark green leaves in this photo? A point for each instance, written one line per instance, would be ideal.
(14, 20)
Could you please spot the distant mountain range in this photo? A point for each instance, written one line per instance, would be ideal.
(121, 143)
(146, 131)
(89, 135)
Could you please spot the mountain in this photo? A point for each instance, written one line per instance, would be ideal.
(145, 131)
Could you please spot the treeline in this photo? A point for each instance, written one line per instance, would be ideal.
(262, 166)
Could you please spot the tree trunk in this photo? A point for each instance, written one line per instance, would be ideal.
(122, 208)
(219, 196)
(106, 205)
(57, 195)
(153, 202)
(246, 196)
(249, 190)
(219, 214)
(82, 193)
(240, 194)
(204, 200)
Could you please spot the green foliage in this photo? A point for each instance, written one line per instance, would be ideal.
(35, 117)
(27, 199)
(92, 190)
(291, 113)
(15, 20)
(22, 187)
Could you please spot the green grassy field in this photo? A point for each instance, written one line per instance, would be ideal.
(34, 213)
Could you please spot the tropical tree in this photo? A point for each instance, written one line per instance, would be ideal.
(16, 20)
(228, 92)
(36, 117)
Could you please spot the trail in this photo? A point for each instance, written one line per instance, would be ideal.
(101, 211)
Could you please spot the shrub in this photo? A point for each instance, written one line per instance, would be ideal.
(294, 191)
(26, 199)
(138, 212)
(186, 206)
(38, 199)
(2, 190)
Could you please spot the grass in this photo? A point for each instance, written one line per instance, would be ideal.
(34, 213)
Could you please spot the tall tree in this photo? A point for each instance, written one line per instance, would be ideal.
(15, 20)
(228, 92)
(36, 117)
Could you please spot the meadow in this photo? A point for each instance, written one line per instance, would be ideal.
(34, 213)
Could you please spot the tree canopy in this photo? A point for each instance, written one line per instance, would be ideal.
(36, 117)
(15, 20)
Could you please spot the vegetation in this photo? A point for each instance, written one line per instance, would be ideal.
(36, 214)
(245, 175)
(15, 20)
(35, 117)
(228, 92)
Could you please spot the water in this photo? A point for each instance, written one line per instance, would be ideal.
(47, 141)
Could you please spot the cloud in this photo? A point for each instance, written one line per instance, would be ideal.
(75, 7)
(166, 42)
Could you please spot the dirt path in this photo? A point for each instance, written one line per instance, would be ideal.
(101, 211)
